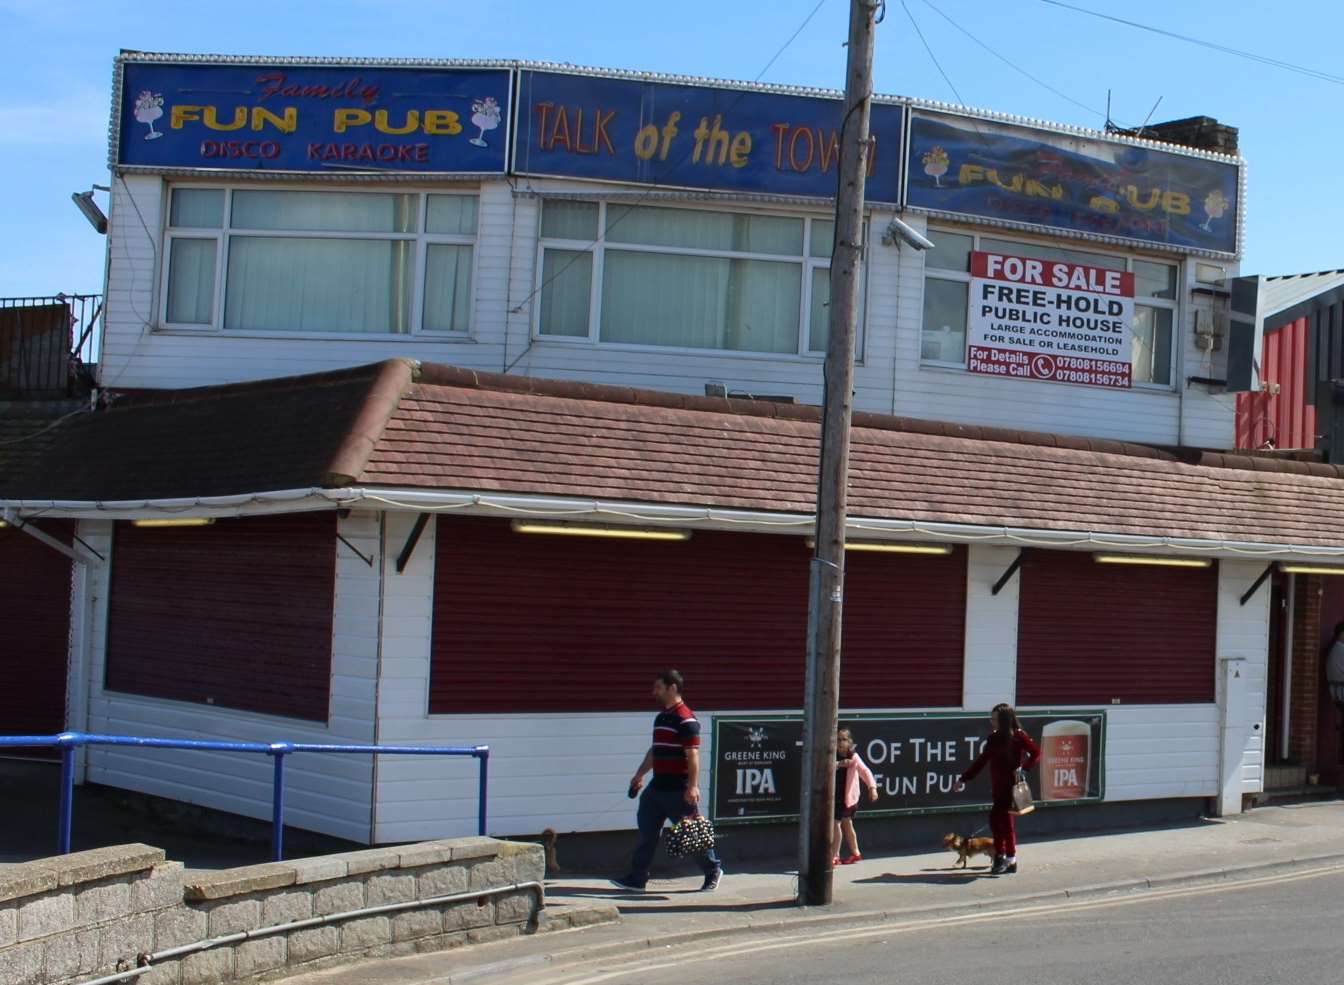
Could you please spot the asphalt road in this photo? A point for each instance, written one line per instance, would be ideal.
(1282, 929)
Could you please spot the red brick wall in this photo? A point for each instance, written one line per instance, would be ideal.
(1306, 678)
(1330, 746)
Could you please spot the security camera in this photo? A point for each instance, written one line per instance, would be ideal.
(899, 228)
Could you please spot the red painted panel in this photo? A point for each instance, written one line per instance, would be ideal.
(1295, 362)
(236, 614)
(1286, 419)
(533, 623)
(1089, 633)
(35, 584)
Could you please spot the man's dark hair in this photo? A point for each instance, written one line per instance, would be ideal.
(671, 678)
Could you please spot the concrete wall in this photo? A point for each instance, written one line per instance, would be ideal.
(76, 917)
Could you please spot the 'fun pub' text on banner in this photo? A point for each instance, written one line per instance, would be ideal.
(295, 117)
(1036, 178)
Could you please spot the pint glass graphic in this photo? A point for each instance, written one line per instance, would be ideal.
(1065, 760)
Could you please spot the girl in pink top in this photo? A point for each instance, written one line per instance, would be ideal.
(849, 770)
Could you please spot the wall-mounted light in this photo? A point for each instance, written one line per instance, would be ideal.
(890, 547)
(1310, 569)
(177, 521)
(565, 529)
(1153, 560)
(86, 205)
(3, 524)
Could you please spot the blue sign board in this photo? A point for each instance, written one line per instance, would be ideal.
(694, 136)
(329, 118)
(1033, 177)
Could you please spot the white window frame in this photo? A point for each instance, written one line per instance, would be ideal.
(598, 247)
(421, 239)
(964, 277)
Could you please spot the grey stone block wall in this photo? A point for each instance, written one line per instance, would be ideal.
(73, 918)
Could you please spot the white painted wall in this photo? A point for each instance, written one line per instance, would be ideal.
(328, 793)
(565, 771)
(1155, 751)
(991, 628)
(1243, 631)
(569, 772)
(888, 379)
(137, 353)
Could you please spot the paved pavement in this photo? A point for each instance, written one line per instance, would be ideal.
(893, 889)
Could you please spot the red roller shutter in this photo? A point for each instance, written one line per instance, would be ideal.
(1089, 633)
(35, 585)
(904, 630)
(531, 623)
(236, 614)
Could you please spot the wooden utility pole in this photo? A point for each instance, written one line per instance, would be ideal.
(821, 708)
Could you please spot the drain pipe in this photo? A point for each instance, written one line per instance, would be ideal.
(1286, 686)
(146, 962)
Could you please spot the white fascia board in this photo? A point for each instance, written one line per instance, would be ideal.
(801, 524)
(244, 504)
(696, 517)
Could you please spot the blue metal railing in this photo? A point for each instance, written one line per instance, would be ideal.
(68, 742)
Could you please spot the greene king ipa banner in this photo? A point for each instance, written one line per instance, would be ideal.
(757, 769)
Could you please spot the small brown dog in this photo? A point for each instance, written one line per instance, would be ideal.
(967, 848)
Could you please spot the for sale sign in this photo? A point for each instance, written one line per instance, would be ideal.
(1036, 319)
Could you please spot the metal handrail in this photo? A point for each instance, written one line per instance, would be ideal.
(40, 356)
(68, 742)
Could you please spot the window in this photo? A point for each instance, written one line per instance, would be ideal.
(358, 263)
(684, 278)
(946, 284)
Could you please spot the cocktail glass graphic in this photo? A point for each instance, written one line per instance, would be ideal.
(148, 108)
(1215, 204)
(936, 162)
(485, 115)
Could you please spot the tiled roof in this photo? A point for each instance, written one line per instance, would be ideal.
(28, 428)
(450, 435)
(293, 433)
(398, 425)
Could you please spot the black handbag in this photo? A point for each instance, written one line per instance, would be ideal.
(692, 835)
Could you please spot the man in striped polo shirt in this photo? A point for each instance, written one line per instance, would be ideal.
(674, 792)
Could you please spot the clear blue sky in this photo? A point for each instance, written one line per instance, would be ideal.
(55, 78)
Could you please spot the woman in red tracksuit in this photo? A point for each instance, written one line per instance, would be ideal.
(1007, 750)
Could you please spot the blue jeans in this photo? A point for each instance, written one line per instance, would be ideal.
(655, 807)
